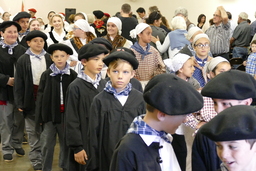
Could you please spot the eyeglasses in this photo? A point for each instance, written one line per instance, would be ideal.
(76, 29)
(202, 45)
(215, 15)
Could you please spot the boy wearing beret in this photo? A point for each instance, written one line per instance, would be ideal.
(10, 51)
(51, 103)
(147, 144)
(113, 110)
(29, 68)
(234, 133)
(227, 89)
(79, 97)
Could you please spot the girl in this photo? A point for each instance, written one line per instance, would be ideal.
(48, 27)
(34, 24)
(114, 30)
(201, 21)
(6, 16)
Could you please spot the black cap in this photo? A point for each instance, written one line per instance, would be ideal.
(21, 15)
(91, 50)
(61, 47)
(231, 84)
(105, 42)
(124, 49)
(36, 33)
(6, 24)
(172, 95)
(98, 14)
(122, 55)
(233, 123)
(186, 50)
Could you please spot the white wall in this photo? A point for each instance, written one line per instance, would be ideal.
(167, 7)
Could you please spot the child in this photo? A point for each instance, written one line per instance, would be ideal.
(79, 97)
(227, 89)
(251, 61)
(29, 68)
(147, 144)
(150, 60)
(51, 103)
(113, 110)
(234, 133)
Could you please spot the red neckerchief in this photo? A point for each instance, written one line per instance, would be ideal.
(98, 23)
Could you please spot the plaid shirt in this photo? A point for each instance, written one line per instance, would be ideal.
(251, 64)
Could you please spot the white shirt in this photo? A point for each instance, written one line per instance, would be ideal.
(122, 99)
(38, 66)
(58, 37)
(163, 47)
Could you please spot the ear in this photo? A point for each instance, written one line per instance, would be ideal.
(28, 43)
(248, 101)
(84, 61)
(160, 116)
(1, 33)
(108, 72)
(133, 73)
(180, 70)
(211, 75)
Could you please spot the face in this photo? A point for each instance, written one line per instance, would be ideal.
(158, 22)
(77, 31)
(141, 14)
(202, 47)
(36, 45)
(221, 67)
(10, 35)
(78, 17)
(222, 104)
(32, 13)
(60, 58)
(112, 29)
(172, 122)
(93, 66)
(57, 22)
(203, 19)
(145, 35)
(6, 16)
(35, 25)
(217, 17)
(50, 15)
(253, 47)
(121, 75)
(236, 155)
(23, 22)
(188, 69)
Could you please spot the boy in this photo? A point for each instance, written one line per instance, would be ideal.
(251, 61)
(147, 144)
(51, 103)
(227, 89)
(234, 133)
(10, 51)
(29, 68)
(79, 97)
(113, 110)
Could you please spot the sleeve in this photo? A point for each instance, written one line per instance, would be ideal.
(159, 64)
(128, 44)
(237, 32)
(191, 121)
(73, 57)
(208, 112)
(163, 47)
(19, 85)
(4, 80)
(251, 65)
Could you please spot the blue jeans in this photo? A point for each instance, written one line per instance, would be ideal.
(240, 52)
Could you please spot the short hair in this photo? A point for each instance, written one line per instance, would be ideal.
(248, 21)
(243, 15)
(153, 9)
(181, 10)
(80, 14)
(126, 8)
(140, 10)
(114, 64)
(253, 42)
(178, 22)
(200, 17)
(150, 108)
(229, 15)
(211, 21)
(152, 17)
(251, 142)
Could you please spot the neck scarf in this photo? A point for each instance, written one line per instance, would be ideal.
(30, 53)
(23, 34)
(56, 71)
(10, 47)
(138, 126)
(110, 89)
(139, 49)
(98, 23)
(85, 77)
(178, 39)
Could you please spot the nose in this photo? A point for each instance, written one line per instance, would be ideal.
(223, 153)
(120, 75)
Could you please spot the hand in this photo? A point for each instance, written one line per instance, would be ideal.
(20, 110)
(73, 63)
(80, 157)
(155, 39)
(200, 124)
(244, 63)
(10, 81)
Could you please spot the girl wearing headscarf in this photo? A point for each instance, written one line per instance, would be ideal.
(114, 29)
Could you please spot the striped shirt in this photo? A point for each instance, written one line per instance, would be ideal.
(251, 64)
(219, 37)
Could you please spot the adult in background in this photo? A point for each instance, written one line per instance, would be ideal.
(253, 26)
(219, 33)
(183, 12)
(48, 27)
(233, 24)
(32, 12)
(6, 16)
(201, 21)
(142, 15)
(99, 25)
(241, 37)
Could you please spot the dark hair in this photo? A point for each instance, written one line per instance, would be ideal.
(248, 21)
(140, 10)
(253, 42)
(251, 142)
(200, 17)
(4, 14)
(211, 22)
(150, 108)
(79, 14)
(165, 22)
(153, 16)
(126, 8)
(229, 15)
(71, 18)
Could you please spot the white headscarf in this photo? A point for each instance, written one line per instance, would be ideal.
(138, 29)
(192, 31)
(117, 22)
(176, 62)
(83, 25)
(199, 36)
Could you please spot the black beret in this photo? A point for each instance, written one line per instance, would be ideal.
(6, 24)
(105, 42)
(91, 50)
(172, 95)
(98, 14)
(185, 50)
(231, 84)
(21, 15)
(36, 33)
(61, 47)
(122, 55)
(233, 123)
(124, 49)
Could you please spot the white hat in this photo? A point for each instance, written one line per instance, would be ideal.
(199, 36)
(138, 29)
(243, 15)
(83, 25)
(192, 31)
(117, 22)
(176, 62)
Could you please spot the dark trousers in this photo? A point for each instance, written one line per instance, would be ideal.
(180, 150)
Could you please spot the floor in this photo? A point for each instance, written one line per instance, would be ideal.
(23, 163)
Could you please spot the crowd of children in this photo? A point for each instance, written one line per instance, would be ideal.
(115, 102)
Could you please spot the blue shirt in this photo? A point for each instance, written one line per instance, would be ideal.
(251, 64)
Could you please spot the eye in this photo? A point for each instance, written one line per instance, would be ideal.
(126, 72)
(232, 147)
(115, 71)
